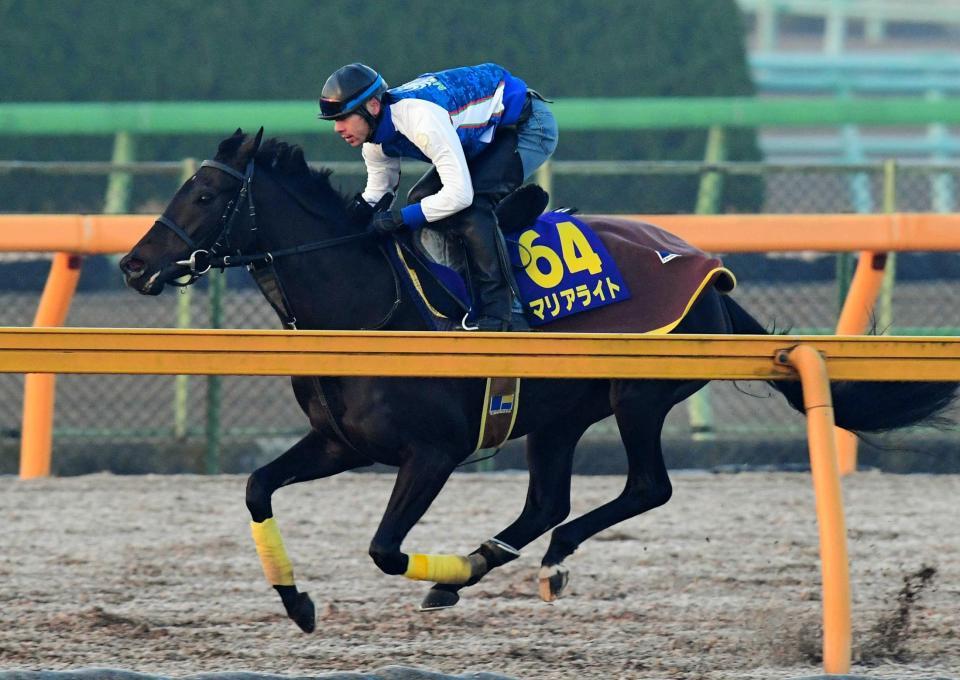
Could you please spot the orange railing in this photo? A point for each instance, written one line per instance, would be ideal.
(545, 355)
(91, 234)
(73, 235)
(873, 235)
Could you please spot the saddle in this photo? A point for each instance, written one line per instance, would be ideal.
(433, 265)
(518, 209)
(644, 279)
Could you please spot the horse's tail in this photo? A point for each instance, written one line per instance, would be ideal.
(861, 406)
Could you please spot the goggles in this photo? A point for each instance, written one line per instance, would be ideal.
(332, 109)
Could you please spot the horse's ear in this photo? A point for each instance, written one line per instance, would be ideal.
(248, 149)
(238, 132)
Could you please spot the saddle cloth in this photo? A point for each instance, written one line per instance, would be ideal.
(664, 274)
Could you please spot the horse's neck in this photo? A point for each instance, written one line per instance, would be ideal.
(348, 286)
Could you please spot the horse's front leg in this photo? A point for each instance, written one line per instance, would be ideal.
(421, 477)
(312, 457)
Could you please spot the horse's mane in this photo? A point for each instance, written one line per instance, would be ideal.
(286, 164)
(287, 160)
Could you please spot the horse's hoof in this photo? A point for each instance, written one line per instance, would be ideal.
(303, 613)
(439, 598)
(552, 581)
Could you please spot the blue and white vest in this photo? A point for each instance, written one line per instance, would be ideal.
(478, 99)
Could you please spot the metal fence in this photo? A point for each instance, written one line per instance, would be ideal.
(156, 423)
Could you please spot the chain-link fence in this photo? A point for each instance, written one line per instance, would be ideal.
(166, 423)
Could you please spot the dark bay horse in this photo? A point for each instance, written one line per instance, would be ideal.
(250, 201)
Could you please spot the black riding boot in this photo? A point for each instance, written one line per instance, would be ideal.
(477, 226)
(494, 174)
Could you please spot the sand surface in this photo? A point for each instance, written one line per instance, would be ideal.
(158, 574)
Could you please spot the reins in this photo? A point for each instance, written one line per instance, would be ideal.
(260, 265)
(267, 257)
(202, 260)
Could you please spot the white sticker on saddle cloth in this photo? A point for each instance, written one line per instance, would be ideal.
(665, 256)
(563, 268)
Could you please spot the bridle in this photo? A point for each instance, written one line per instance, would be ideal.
(201, 260)
(260, 265)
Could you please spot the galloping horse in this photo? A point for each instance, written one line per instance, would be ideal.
(265, 208)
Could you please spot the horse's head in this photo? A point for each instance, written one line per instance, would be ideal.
(199, 216)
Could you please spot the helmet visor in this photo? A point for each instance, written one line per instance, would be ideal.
(332, 109)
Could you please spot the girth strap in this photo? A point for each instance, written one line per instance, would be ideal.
(331, 418)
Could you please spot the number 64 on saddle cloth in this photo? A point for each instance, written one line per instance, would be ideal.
(563, 268)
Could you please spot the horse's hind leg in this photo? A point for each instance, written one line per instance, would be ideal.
(640, 408)
(312, 457)
(549, 459)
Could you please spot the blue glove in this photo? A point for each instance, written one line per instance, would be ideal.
(387, 222)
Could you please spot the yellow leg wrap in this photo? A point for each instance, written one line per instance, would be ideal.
(438, 568)
(273, 556)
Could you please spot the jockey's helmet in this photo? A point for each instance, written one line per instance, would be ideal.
(348, 89)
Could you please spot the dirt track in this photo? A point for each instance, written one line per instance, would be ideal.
(158, 574)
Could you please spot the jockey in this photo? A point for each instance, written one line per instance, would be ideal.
(482, 130)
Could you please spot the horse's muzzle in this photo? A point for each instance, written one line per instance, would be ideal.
(132, 267)
(134, 276)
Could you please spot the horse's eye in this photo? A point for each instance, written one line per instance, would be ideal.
(204, 198)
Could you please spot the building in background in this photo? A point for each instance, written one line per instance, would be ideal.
(856, 48)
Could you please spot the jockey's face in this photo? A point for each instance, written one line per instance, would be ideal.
(354, 129)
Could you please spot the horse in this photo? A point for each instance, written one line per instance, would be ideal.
(262, 206)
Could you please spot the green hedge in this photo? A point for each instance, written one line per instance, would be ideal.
(168, 50)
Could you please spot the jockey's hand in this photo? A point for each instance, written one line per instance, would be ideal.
(387, 222)
(359, 212)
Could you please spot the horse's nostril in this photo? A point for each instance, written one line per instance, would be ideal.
(132, 266)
